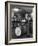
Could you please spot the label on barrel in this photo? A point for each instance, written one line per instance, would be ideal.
(17, 31)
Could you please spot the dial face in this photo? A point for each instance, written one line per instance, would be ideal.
(18, 31)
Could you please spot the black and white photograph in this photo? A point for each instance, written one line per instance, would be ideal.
(20, 22)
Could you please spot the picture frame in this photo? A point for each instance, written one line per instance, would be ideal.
(23, 7)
